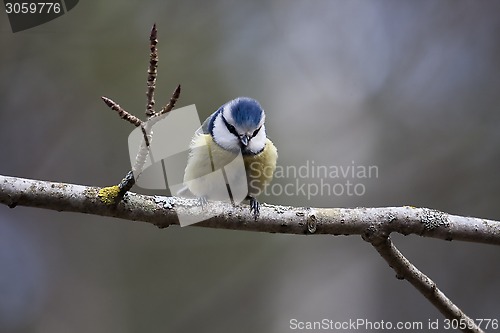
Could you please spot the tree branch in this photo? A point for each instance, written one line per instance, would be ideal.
(162, 212)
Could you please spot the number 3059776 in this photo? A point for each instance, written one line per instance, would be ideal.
(33, 8)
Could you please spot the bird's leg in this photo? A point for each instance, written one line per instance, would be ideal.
(254, 206)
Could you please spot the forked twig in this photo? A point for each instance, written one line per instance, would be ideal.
(117, 192)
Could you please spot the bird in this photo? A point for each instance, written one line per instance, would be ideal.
(237, 127)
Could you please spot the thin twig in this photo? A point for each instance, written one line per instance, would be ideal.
(126, 184)
(146, 136)
(142, 154)
(173, 100)
(121, 112)
(152, 72)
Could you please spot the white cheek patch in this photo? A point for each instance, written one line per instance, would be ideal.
(258, 142)
(223, 137)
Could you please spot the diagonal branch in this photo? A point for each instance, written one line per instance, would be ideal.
(406, 270)
(171, 103)
(121, 112)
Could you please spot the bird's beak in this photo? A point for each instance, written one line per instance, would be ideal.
(244, 140)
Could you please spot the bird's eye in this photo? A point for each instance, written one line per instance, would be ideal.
(256, 132)
(231, 129)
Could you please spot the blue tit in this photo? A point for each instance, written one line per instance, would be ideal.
(236, 127)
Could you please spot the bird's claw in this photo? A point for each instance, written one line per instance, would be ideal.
(254, 207)
(202, 201)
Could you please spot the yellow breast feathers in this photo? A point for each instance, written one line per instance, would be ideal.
(206, 157)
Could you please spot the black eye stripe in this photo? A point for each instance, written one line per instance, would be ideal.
(256, 132)
(229, 127)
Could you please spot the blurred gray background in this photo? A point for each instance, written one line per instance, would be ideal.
(412, 87)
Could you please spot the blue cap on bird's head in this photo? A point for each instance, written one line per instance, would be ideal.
(238, 126)
(245, 111)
